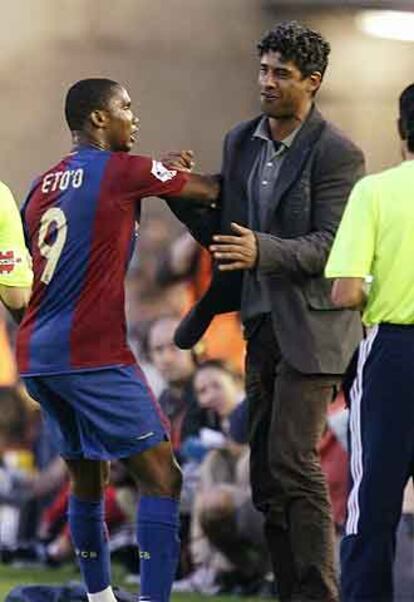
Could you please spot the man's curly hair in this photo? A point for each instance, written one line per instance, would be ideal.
(306, 48)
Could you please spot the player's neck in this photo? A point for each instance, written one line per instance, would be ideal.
(85, 139)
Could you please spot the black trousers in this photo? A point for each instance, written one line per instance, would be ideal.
(381, 425)
(287, 411)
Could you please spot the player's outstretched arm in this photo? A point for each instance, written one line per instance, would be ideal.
(201, 188)
(201, 218)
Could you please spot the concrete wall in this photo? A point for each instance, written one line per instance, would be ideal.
(190, 66)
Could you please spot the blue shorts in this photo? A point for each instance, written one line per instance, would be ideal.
(101, 414)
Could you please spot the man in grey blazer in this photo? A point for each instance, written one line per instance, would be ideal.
(285, 180)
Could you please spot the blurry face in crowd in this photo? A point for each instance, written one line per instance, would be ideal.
(216, 390)
(175, 365)
(284, 91)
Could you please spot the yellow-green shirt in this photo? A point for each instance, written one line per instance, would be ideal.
(376, 238)
(15, 267)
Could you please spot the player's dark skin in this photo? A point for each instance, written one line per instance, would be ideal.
(115, 128)
(155, 470)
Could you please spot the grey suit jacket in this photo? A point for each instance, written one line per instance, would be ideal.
(309, 197)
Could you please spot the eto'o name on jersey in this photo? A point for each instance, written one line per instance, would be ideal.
(61, 180)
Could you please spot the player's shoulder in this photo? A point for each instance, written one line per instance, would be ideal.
(387, 181)
(373, 187)
(142, 165)
(389, 175)
(125, 160)
(6, 195)
(8, 205)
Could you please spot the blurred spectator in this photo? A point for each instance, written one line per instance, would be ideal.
(227, 542)
(179, 404)
(29, 468)
(13, 419)
(30, 471)
(145, 299)
(219, 388)
(186, 261)
(176, 367)
(334, 459)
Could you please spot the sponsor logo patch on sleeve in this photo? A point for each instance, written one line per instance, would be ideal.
(161, 172)
(8, 261)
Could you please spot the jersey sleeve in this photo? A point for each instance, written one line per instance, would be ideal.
(353, 249)
(15, 261)
(143, 177)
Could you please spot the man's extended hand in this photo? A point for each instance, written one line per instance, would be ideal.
(235, 252)
(180, 160)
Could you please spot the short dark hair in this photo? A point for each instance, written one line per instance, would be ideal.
(306, 48)
(406, 118)
(86, 96)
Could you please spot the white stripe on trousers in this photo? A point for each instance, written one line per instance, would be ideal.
(356, 464)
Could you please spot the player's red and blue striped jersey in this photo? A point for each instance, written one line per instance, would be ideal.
(79, 221)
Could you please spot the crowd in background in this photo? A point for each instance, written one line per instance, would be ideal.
(202, 393)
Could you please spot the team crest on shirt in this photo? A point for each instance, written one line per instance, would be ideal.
(161, 172)
(8, 262)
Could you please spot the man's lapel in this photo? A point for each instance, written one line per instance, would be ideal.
(248, 154)
(252, 166)
(251, 159)
(294, 160)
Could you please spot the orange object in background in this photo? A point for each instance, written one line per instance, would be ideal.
(224, 337)
(334, 463)
(224, 340)
(8, 372)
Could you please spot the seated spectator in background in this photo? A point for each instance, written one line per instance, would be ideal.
(145, 298)
(227, 543)
(176, 367)
(30, 470)
(179, 404)
(50, 542)
(334, 459)
(17, 419)
(186, 261)
(34, 489)
(13, 420)
(218, 390)
(17, 462)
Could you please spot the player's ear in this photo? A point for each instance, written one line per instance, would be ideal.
(314, 82)
(98, 118)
